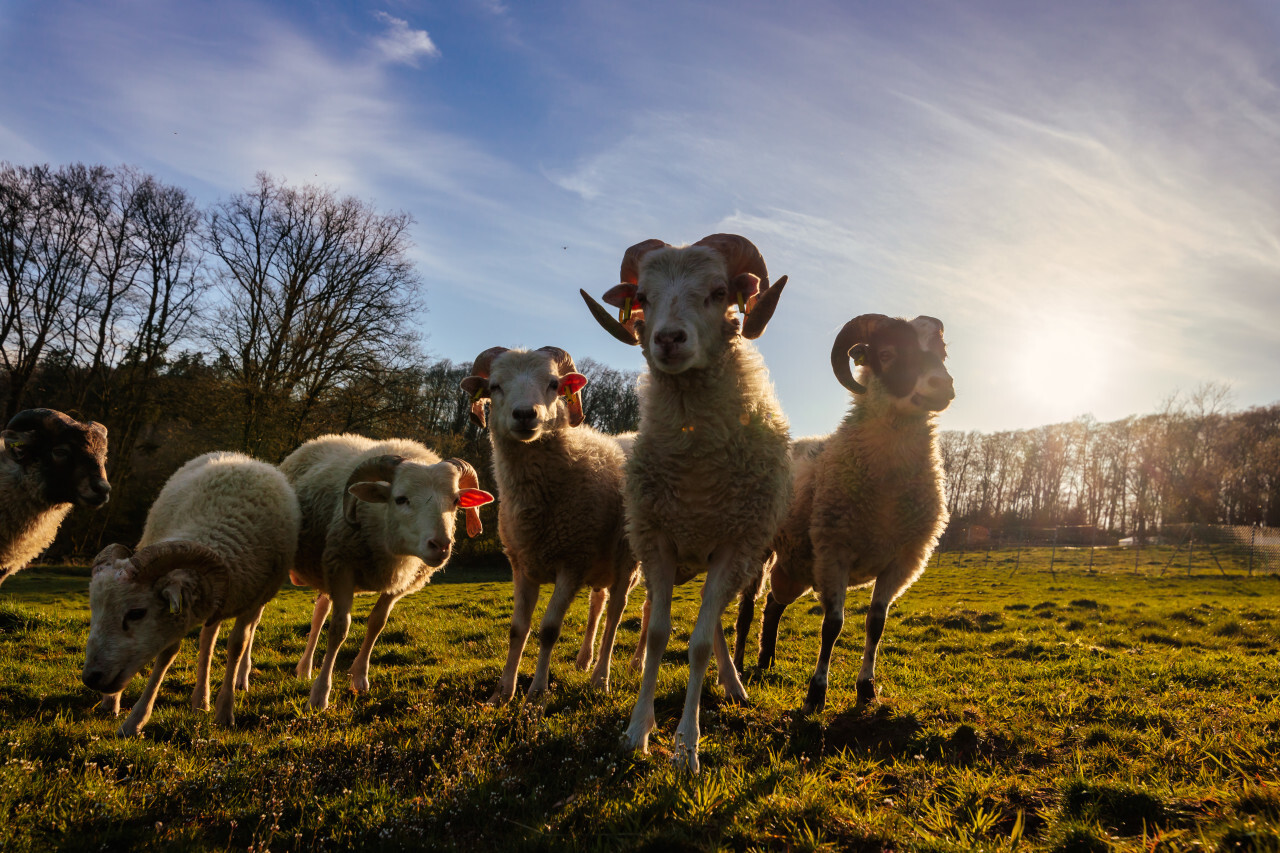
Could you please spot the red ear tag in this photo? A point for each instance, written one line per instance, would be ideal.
(469, 498)
(571, 384)
(624, 313)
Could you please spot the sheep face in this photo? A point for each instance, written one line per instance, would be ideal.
(904, 359)
(686, 298)
(67, 458)
(419, 507)
(530, 393)
(132, 620)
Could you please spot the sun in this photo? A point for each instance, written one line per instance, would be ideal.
(1060, 365)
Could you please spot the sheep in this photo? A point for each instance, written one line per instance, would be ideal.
(51, 462)
(868, 505)
(217, 544)
(378, 517)
(560, 510)
(708, 482)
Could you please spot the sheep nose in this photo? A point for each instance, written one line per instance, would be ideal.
(438, 550)
(670, 337)
(944, 385)
(525, 417)
(92, 679)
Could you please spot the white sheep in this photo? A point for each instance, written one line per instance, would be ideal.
(708, 481)
(560, 503)
(50, 463)
(217, 544)
(377, 517)
(868, 504)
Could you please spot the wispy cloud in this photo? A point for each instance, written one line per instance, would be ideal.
(402, 44)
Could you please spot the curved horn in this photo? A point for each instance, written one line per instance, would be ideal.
(109, 555)
(467, 479)
(155, 561)
(609, 322)
(857, 331)
(741, 256)
(484, 361)
(929, 331)
(630, 272)
(564, 365)
(377, 469)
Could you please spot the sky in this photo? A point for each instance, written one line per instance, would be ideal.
(1087, 194)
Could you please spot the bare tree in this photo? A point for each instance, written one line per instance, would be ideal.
(318, 291)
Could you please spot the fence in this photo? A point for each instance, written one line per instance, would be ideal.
(1220, 547)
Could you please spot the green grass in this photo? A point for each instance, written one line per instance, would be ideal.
(1069, 711)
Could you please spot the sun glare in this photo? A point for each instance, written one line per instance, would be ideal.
(1060, 367)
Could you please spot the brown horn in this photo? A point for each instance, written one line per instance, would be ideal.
(929, 331)
(467, 479)
(377, 469)
(741, 256)
(155, 561)
(109, 555)
(760, 311)
(481, 367)
(856, 331)
(630, 272)
(609, 322)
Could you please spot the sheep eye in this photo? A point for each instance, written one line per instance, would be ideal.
(60, 454)
(402, 500)
(133, 616)
(642, 300)
(719, 294)
(494, 389)
(555, 385)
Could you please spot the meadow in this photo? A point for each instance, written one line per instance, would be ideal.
(1085, 709)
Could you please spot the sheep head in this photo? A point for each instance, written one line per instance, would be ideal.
(67, 458)
(530, 392)
(903, 358)
(415, 504)
(142, 603)
(676, 303)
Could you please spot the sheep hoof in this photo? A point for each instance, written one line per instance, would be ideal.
(499, 698)
(201, 704)
(360, 683)
(866, 691)
(583, 663)
(303, 672)
(817, 698)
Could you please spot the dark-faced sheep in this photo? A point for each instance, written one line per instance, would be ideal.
(868, 504)
(50, 463)
(708, 481)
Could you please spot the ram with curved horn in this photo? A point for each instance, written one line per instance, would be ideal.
(217, 545)
(377, 517)
(560, 503)
(869, 504)
(708, 480)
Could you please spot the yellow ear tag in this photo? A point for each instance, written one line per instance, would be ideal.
(860, 359)
(624, 313)
(742, 304)
(478, 396)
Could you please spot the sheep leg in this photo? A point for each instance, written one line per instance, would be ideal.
(525, 596)
(742, 625)
(716, 595)
(359, 672)
(321, 612)
(727, 669)
(246, 662)
(237, 647)
(585, 653)
(782, 591)
(613, 615)
(661, 582)
(200, 695)
(637, 659)
(832, 625)
(876, 613)
(142, 708)
(339, 626)
(549, 631)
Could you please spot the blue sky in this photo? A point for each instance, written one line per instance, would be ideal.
(1086, 193)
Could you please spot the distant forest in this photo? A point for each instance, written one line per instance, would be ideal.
(283, 313)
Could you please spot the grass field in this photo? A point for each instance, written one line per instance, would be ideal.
(1079, 710)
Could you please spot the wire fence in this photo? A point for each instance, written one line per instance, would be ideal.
(1189, 548)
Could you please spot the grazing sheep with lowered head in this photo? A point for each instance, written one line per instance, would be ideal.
(559, 503)
(377, 516)
(868, 505)
(217, 544)
(50, 463)
(708, 480)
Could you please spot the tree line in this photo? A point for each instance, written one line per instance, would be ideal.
(282, 313)
(256, 323)
(1194, 461)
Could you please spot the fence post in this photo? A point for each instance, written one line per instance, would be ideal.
(1053, 554)
(1253, 535)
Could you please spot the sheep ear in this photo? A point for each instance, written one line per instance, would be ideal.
(477, 388)
(570, 385)
(181, 590)
(469, 498)
(15, 443)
